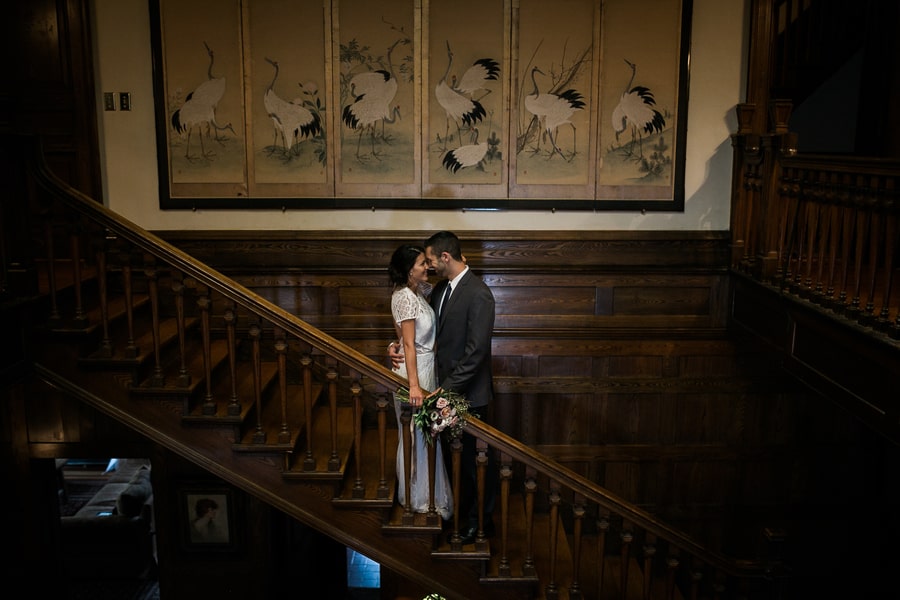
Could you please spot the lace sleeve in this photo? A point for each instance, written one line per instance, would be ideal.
(404, 305)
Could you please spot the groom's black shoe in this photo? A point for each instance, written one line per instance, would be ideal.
(468, 535)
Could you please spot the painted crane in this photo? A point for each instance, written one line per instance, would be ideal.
(458, 106)
(553, 111)
(292, 122)
(373, 93)
(199, 108)
(470, 155)
(636, 109)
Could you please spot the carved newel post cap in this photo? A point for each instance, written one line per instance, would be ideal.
(780, 112)
(745, 112)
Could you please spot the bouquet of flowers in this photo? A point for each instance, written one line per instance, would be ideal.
(439, 411)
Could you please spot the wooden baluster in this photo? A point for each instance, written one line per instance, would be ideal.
(749, 191)
(649, 554)
(825, 221)
(55, 316)
(578, 511)
(505, 479)
(812, 232)
(184, 378)
(432, 518)
(481, 463)
(850, 219)
(801, 227)
(868, 315)
(890, 241)
(309, 461)
(456, 467)
(862, 225)
(106, 346)
(801, 240)
(552, 589)
(696, 580)
(672, 563)
(627, 536)
(80, 318)
(334, 463)
(359, 490)
(259, 436)
(381, 409)
(834, 243)
(281, 347)
(209, 403)
(407, 438)
(528, 568)
(602, 530)
(784, 192)
(753, 201)
(131, 349)
(234, 405)
(157, 379)
(788, 229)
(718, 585)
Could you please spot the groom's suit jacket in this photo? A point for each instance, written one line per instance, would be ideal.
(463, 346)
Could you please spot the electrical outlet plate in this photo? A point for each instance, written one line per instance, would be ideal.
(125, 100)
(109, 101)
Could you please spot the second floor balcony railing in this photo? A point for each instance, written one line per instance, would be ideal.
(820, 228)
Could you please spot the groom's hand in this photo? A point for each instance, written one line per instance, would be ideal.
(395, 353)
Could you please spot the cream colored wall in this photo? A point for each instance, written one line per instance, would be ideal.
(128, 143)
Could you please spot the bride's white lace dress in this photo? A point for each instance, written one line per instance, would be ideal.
(406, 304)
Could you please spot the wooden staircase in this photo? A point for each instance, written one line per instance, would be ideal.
(193, 361)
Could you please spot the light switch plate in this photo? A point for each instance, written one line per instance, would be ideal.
(109, 101)
(124, 100)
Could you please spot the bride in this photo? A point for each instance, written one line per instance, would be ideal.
(415, 325)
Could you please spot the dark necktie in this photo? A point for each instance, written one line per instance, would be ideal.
(444, 299)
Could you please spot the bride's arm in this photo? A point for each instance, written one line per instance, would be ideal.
(408, 335)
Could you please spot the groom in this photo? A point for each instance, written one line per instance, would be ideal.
(465, 323)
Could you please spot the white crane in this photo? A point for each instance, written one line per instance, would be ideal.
(373, 93)
(199, 108)
(470, 155)
(636, 108)
(553, 111)
(457, 105)
(473, 80)
(292, 122)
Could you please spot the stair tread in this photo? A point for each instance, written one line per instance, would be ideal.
(142, 344)
(374, 493)
(271, 422)
(244, 394)
(399, 522)
(218, 352)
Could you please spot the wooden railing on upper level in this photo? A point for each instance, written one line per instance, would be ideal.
(603, 533)
(820, 228)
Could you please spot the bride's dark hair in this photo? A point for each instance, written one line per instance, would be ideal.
(402, 262)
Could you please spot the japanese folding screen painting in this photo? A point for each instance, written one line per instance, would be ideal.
(575, 104)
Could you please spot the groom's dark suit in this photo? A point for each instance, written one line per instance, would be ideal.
(463, 356)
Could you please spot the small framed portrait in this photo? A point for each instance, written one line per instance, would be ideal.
(207, 517)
